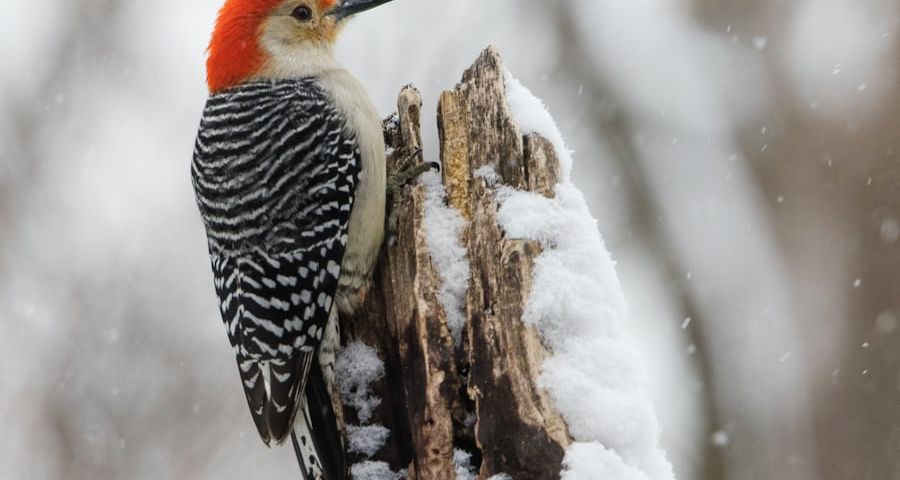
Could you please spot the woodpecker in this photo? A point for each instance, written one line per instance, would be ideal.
(289, 175)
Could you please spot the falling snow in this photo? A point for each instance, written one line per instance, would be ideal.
(106, 271)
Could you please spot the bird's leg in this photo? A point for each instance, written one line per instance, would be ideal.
(406, 172)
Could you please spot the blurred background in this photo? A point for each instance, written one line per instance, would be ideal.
(742, 158)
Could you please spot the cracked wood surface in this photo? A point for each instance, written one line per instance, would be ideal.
(481, 396)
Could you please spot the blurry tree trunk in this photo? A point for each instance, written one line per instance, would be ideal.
(480, 396)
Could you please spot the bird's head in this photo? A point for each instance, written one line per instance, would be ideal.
(275, 38)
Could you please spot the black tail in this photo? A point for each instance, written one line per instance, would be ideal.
(316, 438)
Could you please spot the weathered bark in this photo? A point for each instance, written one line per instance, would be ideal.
(403, 320)
(433, 389)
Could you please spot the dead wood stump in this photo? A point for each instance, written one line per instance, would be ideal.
(482, 395)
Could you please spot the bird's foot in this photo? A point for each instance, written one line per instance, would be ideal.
(407, 172)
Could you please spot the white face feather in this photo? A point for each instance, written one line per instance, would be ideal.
(307, 59)
(297, 48)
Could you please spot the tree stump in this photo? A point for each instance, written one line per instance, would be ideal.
(480, 396)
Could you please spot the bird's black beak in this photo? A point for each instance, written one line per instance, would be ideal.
(352, 7)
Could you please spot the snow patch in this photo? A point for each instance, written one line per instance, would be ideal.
(487, 173)
(576, 290)
(366, 439)
(356, 367)
(443, 228)
(595, 374)
(369, 470)
(532, 116)
(462, 460)
(592, 461)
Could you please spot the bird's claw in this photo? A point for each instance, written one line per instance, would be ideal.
(397, 181)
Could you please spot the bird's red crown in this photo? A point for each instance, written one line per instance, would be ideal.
(234, 51)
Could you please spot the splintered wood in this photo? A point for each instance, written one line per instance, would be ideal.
(482, 396)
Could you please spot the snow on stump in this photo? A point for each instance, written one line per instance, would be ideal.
(496, 310)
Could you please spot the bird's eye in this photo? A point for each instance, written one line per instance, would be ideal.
(302, 13)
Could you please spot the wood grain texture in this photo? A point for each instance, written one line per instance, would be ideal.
(480, 396)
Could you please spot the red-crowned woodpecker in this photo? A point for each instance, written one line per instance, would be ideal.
(289, 175)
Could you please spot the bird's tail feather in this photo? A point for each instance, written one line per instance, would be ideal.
(320, 455)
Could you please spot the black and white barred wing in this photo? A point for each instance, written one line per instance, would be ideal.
(274, 175)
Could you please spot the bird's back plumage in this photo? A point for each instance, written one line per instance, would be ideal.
(275, 174)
